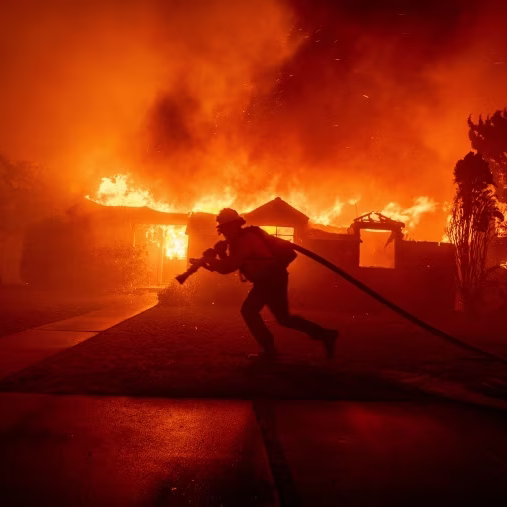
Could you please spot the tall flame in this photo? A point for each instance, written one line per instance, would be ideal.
(171, 238)
(176, 242)
(412, 215)
(119, 191)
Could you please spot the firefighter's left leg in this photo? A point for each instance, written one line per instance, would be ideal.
(278, 302)
(250, 310)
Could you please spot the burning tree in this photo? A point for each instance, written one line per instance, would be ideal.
(473, 222)
(489, 137)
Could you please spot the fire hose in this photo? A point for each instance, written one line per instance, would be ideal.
(375, 295)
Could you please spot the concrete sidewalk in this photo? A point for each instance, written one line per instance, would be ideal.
(104, 451)
(19, 350)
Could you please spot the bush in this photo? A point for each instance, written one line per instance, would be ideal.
(118, 266)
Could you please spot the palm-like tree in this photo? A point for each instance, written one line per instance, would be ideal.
(474, 217)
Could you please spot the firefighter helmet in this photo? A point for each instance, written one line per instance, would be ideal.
(228, 215)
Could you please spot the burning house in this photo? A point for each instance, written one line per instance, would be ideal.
(372, 248)
(323, 117)
(91, 242)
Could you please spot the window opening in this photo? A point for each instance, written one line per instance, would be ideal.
(279, 231)
(374, 249)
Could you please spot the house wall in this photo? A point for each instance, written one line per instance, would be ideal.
(423, 280)
(343, 252)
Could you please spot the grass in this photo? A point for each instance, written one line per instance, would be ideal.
(201, 351)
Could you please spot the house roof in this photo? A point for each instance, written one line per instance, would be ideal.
(378, 221)
(133, 215)
(276, 212)
(147, 215)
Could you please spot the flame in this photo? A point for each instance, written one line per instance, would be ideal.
(120, 191)
(213, 204)
(219, 92)
(172, 238)
(329, 215)
(410, 216)
(176, 241)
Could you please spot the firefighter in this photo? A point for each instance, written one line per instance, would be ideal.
(263, 260)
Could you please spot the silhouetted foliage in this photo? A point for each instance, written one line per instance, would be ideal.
(61, 253)
(118, 266)
(474, 218)
(489, 137)
(25, 195)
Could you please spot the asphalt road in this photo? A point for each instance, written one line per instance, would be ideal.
(121, 451)
(373, 443)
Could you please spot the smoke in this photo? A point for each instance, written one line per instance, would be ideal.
(99, 87)
(332, 99)
(375, 101)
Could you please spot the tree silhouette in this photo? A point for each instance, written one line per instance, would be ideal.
(473, 224)
(26, 195)
(489, 137)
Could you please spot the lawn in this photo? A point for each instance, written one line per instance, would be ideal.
(201, 351)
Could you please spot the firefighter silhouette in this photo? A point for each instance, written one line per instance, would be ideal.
(261, 259)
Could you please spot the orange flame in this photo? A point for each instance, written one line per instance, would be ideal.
(119, 191)
(176, 242)
(410, 216)
(172, 238)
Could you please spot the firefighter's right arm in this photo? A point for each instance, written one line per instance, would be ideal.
(229, 263)
(223, 266)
